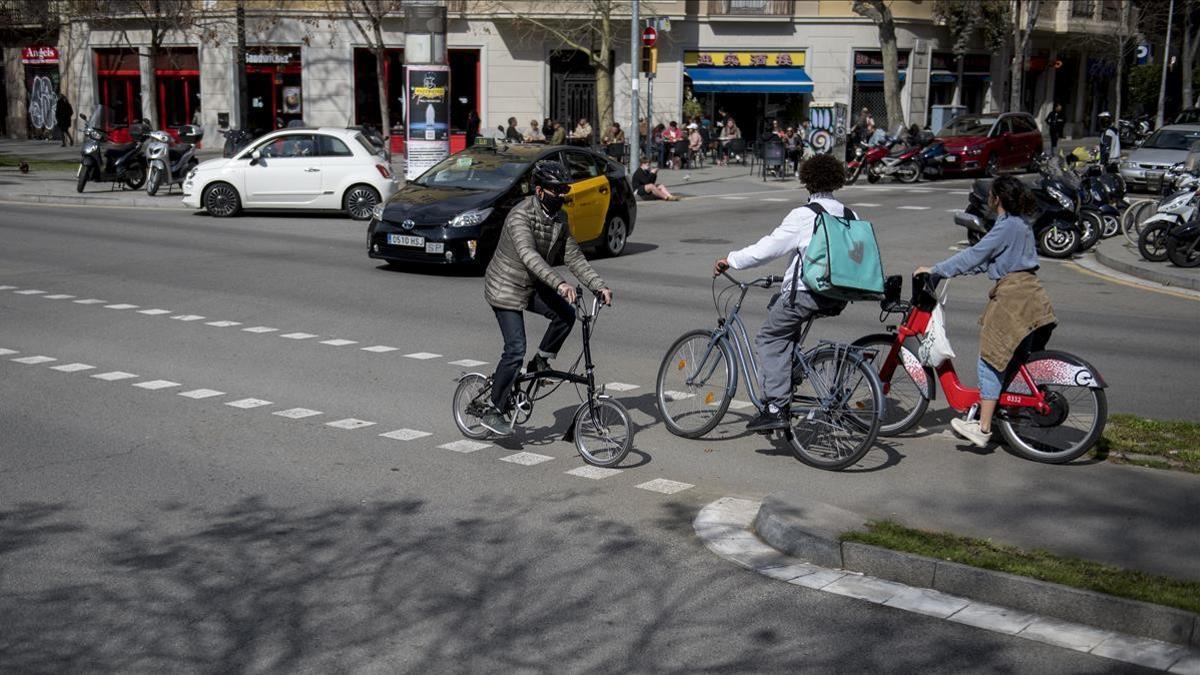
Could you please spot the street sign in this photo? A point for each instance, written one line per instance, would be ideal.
(1143, 53)
(649, 36)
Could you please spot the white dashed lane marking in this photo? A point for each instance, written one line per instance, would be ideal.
(114, 376)
(464, 446)
(156, 384)
(223, 324)
(29, 291)
(297, 413)
(259, 329)
(154, 312)
(338, 342)
(7, 288)
(298, 336)
(201, 393)
(121, 305)
(90, 301)
(739, 405)
(677, 395)
(592, 472)
(405, 434)
(349, 423)
(864, 204)
(420, 356)
(188, 317)
(247, 403)
(34, 360)
(774, 199)
(380, 349)
(468, 363)
(72, 367)
(666, 487)
(733, 198)
(913, 208)
(526, 458)
(6, 352)
(58, 296)
(620, 386)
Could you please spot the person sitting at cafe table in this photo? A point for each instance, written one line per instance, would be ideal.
(615, 134)
(559, 136)
(534, 135)
(511, 134)
(583, 132)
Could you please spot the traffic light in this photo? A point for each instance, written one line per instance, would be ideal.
(649, 60)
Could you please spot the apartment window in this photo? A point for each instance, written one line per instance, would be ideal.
(752, 7)
(1110, 10)
(1083, 9)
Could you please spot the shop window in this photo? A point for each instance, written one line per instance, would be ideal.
(332, 147)
(464, 87)
(177, 72)
(273, 84)
(119, 80)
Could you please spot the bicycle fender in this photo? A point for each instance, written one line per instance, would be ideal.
(1061, 368)
(922, 375)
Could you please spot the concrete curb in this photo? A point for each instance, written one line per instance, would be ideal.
(165, 202)
(812, 530)
(1165, 276)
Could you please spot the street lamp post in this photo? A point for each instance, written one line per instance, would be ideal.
(634, 63)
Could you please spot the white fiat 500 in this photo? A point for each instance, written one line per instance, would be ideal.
(294, 168)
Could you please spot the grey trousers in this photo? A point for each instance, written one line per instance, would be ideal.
(777, 338)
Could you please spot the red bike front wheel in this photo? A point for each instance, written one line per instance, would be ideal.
(906, 394)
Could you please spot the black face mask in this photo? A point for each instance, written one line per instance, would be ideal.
(551, 203)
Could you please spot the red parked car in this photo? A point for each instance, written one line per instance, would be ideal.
(991, 143)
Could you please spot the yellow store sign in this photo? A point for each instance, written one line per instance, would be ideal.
(732, 59)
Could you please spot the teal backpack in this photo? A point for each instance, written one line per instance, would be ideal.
(842, 261)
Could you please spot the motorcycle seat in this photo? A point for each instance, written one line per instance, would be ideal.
(982, 187)
(176, 152)
(118, 150)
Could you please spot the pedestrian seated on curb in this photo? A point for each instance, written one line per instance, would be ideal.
(794, 305)
(645, 183)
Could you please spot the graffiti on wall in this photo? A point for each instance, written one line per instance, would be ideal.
(828, 125)
(43, 101)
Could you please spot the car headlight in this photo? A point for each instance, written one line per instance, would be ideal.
(974, 151)
(377, 212)
(193, 172)
(1061, 198)
(1129, 165)
(469, 218)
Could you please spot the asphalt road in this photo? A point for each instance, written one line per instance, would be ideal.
(144, 530)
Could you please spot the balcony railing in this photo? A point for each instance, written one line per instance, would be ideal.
(751, 7)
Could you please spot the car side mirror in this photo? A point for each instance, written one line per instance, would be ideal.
(255, 155)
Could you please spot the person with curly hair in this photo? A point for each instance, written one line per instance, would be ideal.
(787, 312)
(1018, 317)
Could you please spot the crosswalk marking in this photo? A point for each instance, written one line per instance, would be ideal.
(223, 324)
(201, 393)
(464, 446)
(154, 312)
(422, 356)
(592, 472)
(620, 386)
(864, 204)
(58, 296)
(72, 367)
(121, 305)
(338, 342)
(247, 403)
(677, 395)
(297, 413)
(298, 336)
(188, 317)
(114, 375)
(6, 352)
(468, 363)
(735, 404)
(405, 434)
(34, 360)
(349, 423)
(156, 384)
(664, 486)
(379, 349)
(526, 458)
(259, 329)
(913, 208)
(29, 291)
(90, 301)
(7, 288)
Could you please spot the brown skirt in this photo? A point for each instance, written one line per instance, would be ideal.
(1017, 306)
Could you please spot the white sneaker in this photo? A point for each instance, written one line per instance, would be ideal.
(970, 430)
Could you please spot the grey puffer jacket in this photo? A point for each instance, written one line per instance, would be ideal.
(531, 245)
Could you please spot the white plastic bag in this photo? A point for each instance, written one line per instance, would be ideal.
(935, 346)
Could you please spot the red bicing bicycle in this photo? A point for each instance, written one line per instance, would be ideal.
(1052, 409)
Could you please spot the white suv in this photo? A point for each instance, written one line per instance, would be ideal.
(294, 168)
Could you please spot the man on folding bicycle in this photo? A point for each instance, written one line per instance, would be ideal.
(794, 305)
(521, 276)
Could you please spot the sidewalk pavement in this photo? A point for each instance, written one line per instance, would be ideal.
(1122, 256)
(53, 151)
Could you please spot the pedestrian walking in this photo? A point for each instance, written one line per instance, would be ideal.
(64, 114)
(1055, 122)
(472, 127)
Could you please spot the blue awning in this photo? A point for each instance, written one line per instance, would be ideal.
(751, 80)
(872, 76)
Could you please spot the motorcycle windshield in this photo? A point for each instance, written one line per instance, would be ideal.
(99, 117)
(1056, 168)
(1192, 162)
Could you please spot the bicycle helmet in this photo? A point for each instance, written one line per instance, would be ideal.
(551, 176)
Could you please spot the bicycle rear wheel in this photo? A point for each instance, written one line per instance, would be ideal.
(693, 391)
(836, 410)
(603, 432)
(471, 398)
(1134, 216)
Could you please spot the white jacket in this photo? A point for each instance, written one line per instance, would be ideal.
(790, 237)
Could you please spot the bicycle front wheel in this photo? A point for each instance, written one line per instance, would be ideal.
(695, 384)
(908, 392)
(603, 432)
(471, 399)
(1134, 216)
(836, 409)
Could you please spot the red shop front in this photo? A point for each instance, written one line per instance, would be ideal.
(119, 80)
(273, 82)
(177, 73)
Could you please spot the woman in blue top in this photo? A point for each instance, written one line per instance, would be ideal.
(1018, 317)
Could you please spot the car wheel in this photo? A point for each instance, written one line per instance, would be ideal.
(993, 166)
(616, 235)
(360, 201)
(221, 200)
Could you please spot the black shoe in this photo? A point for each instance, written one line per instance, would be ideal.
(538, 364)
(496, 423)
(768, 421)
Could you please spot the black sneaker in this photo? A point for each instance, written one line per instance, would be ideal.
(768, 421)
(496, 423)
(538, 364)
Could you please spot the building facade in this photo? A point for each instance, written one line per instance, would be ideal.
(756, 59)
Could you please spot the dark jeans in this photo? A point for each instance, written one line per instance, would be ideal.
(548, 303)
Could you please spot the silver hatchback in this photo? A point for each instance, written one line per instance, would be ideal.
(1144, 167)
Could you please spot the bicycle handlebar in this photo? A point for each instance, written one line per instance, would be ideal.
(761, 282)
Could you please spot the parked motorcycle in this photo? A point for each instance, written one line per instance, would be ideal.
(1175, 212)
(854, 166)
(170, 162)
(1183, 242)
(933, 159)
(1102, 193)
(235, 140)
(1135, 131)
(1056, 220)
(123, 163)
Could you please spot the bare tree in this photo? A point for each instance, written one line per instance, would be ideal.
(966, 18)
(368, 17)
(880, 13)
(1191, 41)
(1025, 16)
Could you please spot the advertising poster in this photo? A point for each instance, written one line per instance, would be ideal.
(428, 118)
(291, 100)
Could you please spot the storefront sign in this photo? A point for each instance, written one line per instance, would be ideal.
(271, 58)
(733, 59)
(873, 60)
(428, 118)
(39, 56)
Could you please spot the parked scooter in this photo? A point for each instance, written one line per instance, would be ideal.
(1183, 242)
(123, 163)
(1102, 192)
(1136, 131)
(170, 162)
(933, 159)
(235, 140)
(1175, 212)
(904, 160)
(1055, 222)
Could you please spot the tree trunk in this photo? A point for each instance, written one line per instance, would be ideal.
(385, 106)
(891, 73)
(1017, 67)
(604, 96)
(240, 65)
(150, 108)
(1191, 39)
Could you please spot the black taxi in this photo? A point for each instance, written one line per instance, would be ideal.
(453, 213)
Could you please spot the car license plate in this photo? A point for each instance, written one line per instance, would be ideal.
(1154, 175)
(405, 240)
(439, 247)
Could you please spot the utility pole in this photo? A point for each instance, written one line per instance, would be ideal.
(243, 118)
(1162, 85)
(634, 62)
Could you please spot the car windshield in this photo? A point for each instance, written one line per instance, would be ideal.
(1172, 139)
(475, 170)
(1188, 117)
(371, 148)
(970, 125)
